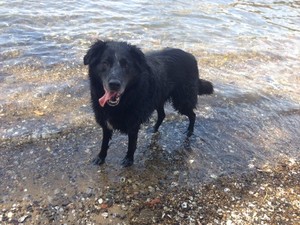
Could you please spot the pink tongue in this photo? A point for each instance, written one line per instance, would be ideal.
(106, 97)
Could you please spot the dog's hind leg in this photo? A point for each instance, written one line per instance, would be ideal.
(160, 117)
(189, 112)
(192, 117)
(100, 159)
(132, 141)
(185, 102)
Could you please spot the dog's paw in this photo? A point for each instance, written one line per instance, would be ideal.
(126, 162)
(189, 133)
(98, 161)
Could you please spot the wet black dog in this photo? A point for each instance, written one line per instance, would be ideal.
(127, 86)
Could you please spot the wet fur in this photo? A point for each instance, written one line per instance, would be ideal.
(149, 81)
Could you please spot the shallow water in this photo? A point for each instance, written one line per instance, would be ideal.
(249, 50)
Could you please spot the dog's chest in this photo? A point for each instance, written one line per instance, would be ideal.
(120, 124)
(109, 125)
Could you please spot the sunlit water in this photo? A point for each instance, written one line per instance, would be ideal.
(60, 31)
(248, 49)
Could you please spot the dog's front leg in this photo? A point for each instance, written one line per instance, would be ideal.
(132, 141)
(100, 159)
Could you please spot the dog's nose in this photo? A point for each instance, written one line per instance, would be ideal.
(114, 85)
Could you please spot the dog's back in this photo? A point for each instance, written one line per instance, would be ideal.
(173, 64)
(176, 71)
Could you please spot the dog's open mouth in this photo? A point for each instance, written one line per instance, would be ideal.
(112, 98)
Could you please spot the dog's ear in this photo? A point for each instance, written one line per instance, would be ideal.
(139, 56)
(94, 52)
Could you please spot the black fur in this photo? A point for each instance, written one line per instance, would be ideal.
(144, 83)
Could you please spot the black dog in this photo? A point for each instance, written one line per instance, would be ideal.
(127, 86)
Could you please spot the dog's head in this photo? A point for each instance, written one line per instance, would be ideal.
(117, 65)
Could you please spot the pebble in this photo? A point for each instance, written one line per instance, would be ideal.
(191, 161)
(22, 219)
(10, 215)
(184, 205)
(105, 214)
(213, 176)
(124, 207)
(100, 200)
(226, 189)
(89, 191)
(174, 184)
(56, 191)
(151, 189)
(181, 214)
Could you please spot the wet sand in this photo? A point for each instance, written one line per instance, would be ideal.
(240, 167)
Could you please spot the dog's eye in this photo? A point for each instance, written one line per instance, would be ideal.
(104, 65)
(123, 63)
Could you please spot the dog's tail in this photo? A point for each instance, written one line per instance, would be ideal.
(205, 87)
